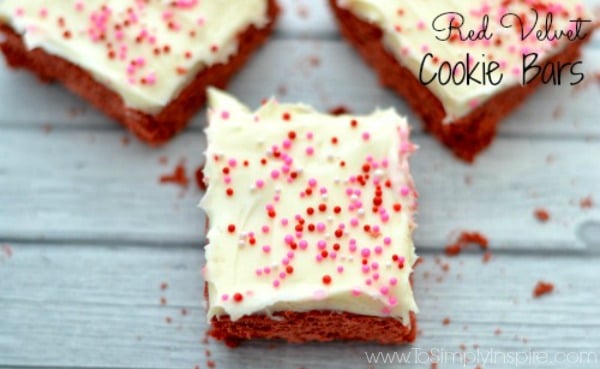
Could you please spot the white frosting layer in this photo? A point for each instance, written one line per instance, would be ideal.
(309, 160)
(407, 27)
(146, 51)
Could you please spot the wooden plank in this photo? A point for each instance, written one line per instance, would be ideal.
(99, 306)
(325, 74)
(85, 185)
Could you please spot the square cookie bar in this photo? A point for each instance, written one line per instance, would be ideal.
(423, 51)
(310, 224)
(144, 63)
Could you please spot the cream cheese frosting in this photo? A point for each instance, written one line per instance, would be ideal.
(409, 35)
(307, 211)
(146, 51)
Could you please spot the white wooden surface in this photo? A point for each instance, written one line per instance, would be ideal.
(88, 235)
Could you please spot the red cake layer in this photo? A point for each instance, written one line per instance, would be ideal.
(153, 129)
(467, 136)
(313, 326)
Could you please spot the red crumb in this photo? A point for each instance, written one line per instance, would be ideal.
(178, 177)
(207, 353)
(446, 321)
(210, 363)
(586, 202)
(314, 61)
(465, 239)
(434, 365)
(487, 257)
(184, 312)
(542, 215)
(7, 251)
(200, 178)
(164, 286)
(163, 160)
(169, 320)
(125, 140)
(498, 331)
(542, 288)
(339, 110)
(163, 301)
(302, 11)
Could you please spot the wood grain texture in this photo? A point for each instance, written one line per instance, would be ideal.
(99, 306)
(93, 235)
(88, 186)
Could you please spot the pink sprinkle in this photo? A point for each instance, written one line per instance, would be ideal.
(265, 229)
(309, 135)
(312, 182)
(284, 221)
(393, 281)
(319, 257)
(290, 254)
(387, 241)
(366, 136)
(375, 265)
(225, 114)
(354, 222)
(392, 301)
(276, 283)
(20, 12)
(384, 290)
(365, 252)
(232, 162)
(282, 275)
(378, 249)
(321, 244)
(303, 244)
(320, 227)
(224, 297)
(310, 151)
(260, 183)
(340, 269)
(275, 174)
(267, 270)
(266, 248)
(287, 144)
(365, 269)
(259, 272)
(227, 179)
(404, 191)
(289, 239)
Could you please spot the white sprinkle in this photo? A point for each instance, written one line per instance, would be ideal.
(329, 219)
(353, 197)
(361, 212)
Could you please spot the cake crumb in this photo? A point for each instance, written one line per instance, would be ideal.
(542, 288)
(446, 321)
(210, 363)
(542, 215)
(178, 177)
(163, 160)
(163, 301)
(125, 140)
(8, 251)
(340, 110)
(498, 332)
(586, 202)
(200, 178)
(434, 366)
(184, 311)
(487, 256)
(164, 286)
(465, 239)
(169, 320)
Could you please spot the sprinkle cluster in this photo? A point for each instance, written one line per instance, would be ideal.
(343, 222)
(148, 42)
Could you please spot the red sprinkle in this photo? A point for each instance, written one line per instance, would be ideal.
(326, 279)
(238, 297)
(178, 177)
